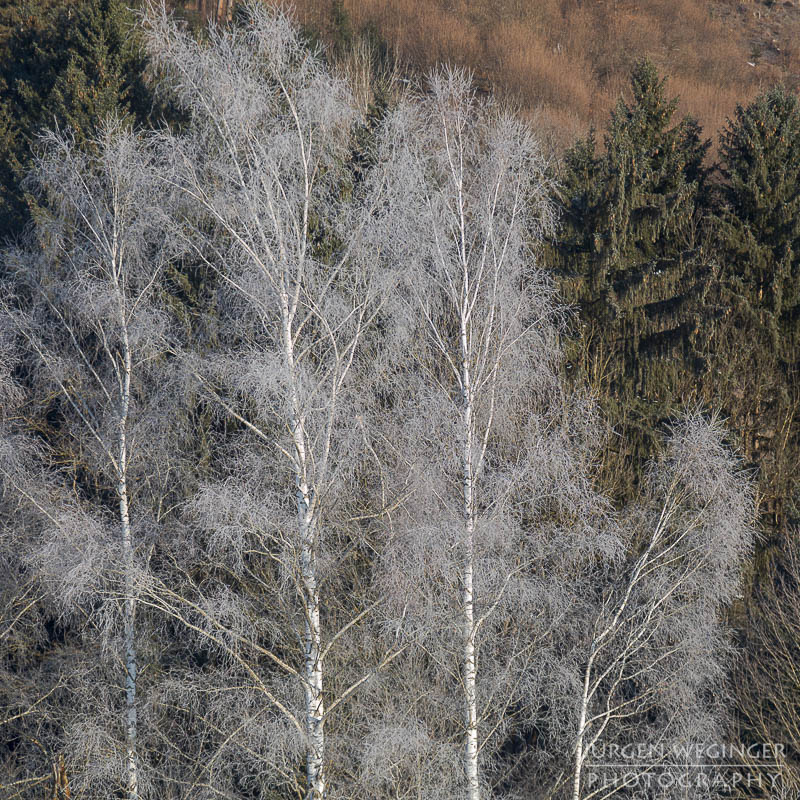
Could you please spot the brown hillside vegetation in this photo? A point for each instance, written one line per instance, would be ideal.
(568, 61)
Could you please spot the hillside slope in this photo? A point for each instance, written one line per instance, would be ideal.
(568, 61)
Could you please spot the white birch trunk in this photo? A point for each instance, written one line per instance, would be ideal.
(312, 639)
(132, 789)
(471, 744)
(470, 667)
(579, 754)
(315, 708)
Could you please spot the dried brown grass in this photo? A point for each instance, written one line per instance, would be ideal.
(567, 62)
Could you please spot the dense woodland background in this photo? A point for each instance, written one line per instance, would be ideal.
(678, 249)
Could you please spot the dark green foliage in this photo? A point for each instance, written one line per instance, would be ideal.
(759, 223)
(63, 64)
(341, 28)
(757, 337)
(689, 288)
(629, 259)
(634, 202)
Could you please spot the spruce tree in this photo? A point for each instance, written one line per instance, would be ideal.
(760, 216)
(756, 338)
(63, 64)
(629, 259)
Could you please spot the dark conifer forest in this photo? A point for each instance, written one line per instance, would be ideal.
(361, 440)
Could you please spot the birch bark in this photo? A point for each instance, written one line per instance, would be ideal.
(124, 379)
(470, 665)
(312, 640)
(130, 600)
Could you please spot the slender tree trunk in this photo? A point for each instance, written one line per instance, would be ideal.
(471, 745)
(130, 602)
(312, 656)
(470, 669)
(315, 708)
(576, 778)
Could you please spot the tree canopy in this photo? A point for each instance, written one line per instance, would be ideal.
(311, 483)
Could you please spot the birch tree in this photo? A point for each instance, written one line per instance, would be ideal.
(654, 673)
(497, 455)
(93, 333)
(272, 214)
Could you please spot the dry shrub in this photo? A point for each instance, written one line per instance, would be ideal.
(537, 72)
(568, 61)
